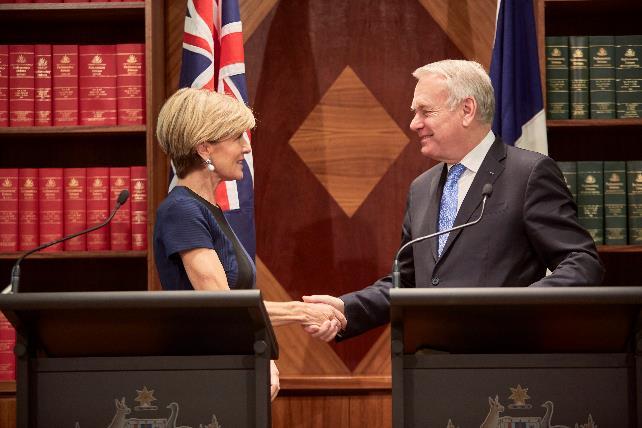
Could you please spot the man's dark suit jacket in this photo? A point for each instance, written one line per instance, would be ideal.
(530, 224)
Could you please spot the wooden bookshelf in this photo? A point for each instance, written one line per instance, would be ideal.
(67, 130)
(592, 140)
(77, 255)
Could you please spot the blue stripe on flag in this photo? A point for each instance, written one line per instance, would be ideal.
(230, 11)
(514, 70)
(239, 82)
(192, 66)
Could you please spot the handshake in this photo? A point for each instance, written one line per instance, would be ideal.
(326, 316)
(321, 316)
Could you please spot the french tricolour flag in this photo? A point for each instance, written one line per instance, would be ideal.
(520, 119)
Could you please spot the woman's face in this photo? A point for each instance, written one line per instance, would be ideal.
(228, 155)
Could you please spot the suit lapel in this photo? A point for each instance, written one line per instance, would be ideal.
(489, 170)
(432, 209)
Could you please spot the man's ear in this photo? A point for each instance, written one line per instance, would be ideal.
(469, 109)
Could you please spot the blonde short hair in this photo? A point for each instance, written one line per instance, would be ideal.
(192, 116)
(464, 79)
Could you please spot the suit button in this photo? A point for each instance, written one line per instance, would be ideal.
(435, 281)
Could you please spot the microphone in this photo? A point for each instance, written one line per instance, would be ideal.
(15, 272)
(396, 275)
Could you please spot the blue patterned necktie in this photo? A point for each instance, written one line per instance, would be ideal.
(448, 206)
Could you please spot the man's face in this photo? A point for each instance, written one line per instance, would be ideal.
(438, 128)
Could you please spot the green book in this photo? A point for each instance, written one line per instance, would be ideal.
(579, 76)
(569, 171)
(615, 229)
(590, 198)
(628, 76)
(602, 76)
(634, 197)
(557, 77)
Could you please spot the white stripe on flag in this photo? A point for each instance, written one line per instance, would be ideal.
(231, 70)
(249, 159)
(174, 181)
(195, 25)
(232, 27)
(232, 195)
(534, 134)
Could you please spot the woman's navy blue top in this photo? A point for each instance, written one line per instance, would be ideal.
(185, 221)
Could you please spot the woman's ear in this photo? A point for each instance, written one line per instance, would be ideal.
(202, 150)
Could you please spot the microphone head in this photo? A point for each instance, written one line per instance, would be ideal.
(487, 190)
(122, 197)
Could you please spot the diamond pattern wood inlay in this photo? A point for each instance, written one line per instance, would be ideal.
(348, 141)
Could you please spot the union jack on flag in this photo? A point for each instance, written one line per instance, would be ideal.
(213, 59)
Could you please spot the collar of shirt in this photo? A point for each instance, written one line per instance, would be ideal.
(472, 161)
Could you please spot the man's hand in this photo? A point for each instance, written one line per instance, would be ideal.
(327, 330)
(274, 380)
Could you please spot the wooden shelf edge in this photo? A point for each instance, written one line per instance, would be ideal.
(587, 123)
(341, 382)
(79, 255)
(61, 130)
(45, 7)
(7, 387)
(619, 248)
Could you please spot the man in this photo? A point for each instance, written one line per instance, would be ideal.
(529, 224)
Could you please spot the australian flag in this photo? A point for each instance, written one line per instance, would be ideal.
(520, 119)
(213, 58)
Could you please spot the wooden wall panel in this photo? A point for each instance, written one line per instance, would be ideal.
(307, 241)
(7, 412)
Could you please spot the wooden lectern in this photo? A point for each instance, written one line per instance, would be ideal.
(517, 357)
(142, 359)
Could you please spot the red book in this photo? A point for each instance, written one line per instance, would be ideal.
(97, 85)
(75, 209)
(8, 210)
(139, 207)
(130, 62)
(4, 85)
(42, 105)
(121, 225)
(7, 343)
(28, 223)
(97, 207)
(65, 85)
(50, 201)
(21, 85)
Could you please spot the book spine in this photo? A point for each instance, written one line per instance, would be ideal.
(50, 201)
(4, 85)
(139, 207)
(42, 105)
(569, 171)
(28, 223)
(602, 76)
(615, 203)
(590, 198)
(130, 62)
(557, 93)
(121, 233)
(634, 200)
(579, 76)
(7, 343)
(75, 210)
(97, 83)
(21, 85)
(628, 76)
(65, 85)
(97, 207)
(8, 210)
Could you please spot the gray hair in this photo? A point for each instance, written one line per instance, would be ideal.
(464, 79)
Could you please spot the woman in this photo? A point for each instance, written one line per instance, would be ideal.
(194, 247)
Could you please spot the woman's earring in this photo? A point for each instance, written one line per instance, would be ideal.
(209, 165)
